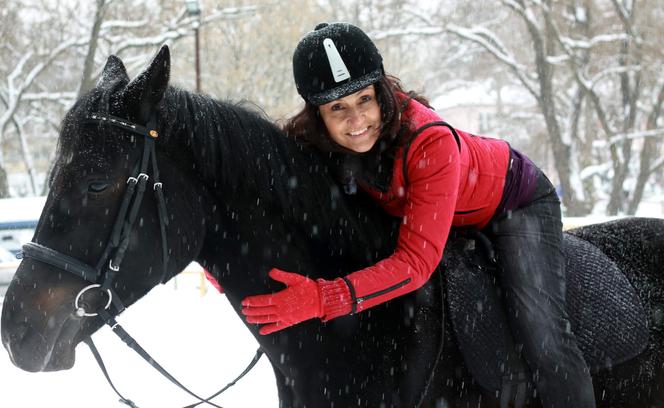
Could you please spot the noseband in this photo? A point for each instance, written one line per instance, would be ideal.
(102, 275)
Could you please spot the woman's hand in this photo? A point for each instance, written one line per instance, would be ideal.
(300, 301)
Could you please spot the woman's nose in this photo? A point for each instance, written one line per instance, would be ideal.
(355, 117)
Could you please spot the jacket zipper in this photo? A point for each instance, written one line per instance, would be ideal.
(382, 292)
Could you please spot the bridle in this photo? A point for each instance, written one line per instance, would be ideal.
(102, 275)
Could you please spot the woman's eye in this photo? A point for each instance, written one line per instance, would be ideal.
(97, 186)
(336, 108)
(365, 98)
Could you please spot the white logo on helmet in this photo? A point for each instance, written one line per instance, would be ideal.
(339, 70)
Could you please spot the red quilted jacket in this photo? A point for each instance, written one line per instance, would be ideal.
(449, 183)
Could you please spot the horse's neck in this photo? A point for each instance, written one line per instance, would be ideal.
(242, 162)
(219, 143)
(266, 190)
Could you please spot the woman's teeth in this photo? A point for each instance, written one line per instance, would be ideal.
(358, 132)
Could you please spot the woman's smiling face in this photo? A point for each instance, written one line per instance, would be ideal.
(354, 120)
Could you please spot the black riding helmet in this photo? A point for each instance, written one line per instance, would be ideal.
(333, 61)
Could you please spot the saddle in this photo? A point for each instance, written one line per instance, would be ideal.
(605, 312)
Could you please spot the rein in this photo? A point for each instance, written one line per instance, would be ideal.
(102, 275)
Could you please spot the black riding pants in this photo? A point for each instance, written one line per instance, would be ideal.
(528, 244)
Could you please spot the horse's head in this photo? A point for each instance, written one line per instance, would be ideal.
(93, 230)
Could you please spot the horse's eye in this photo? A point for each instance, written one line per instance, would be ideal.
(97, 186)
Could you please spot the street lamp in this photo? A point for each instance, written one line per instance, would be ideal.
(194, 10)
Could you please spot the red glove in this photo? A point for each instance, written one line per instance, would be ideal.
(213, 281)
(303, 299)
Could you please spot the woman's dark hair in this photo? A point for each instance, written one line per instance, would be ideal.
(308, 127)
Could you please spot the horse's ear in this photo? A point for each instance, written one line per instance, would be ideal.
(146, 90)
(114, 70)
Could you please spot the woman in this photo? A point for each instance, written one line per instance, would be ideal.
(417, 167)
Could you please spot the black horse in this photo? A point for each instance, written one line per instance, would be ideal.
(240, 199)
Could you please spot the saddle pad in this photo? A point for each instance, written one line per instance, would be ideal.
(607, 316)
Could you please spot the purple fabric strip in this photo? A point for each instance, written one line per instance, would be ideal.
(520, 183)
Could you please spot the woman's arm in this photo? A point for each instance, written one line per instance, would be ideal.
(433, 172)
(431, 195)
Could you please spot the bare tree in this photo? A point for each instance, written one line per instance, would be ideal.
(591, 70)
(88, 64)
(628, 113)
(30, 64)
(27, 86)
(591, 82)
(4, 185)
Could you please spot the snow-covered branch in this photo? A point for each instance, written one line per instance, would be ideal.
(16, 72)
(594, 41)
(110, 25)
(15, 89)
(617, 138)
(594, 170)
(557, 59)
(577, 70)
(479, 35)
(233, 12)
(621, 69)
(491, 44)
(49, 96)
(525, 12)
(400, 32)
(122, 43)
(424, 17)
(179, 28)
(625, 16)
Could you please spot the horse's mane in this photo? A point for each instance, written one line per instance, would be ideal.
(249, 162)
(242, 155)
(238, 150)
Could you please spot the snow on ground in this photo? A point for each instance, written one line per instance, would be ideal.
(198, 339)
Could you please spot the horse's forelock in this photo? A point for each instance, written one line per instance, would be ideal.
(73, 138)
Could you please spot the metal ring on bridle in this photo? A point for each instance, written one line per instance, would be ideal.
(111, 266)
(80, 311)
